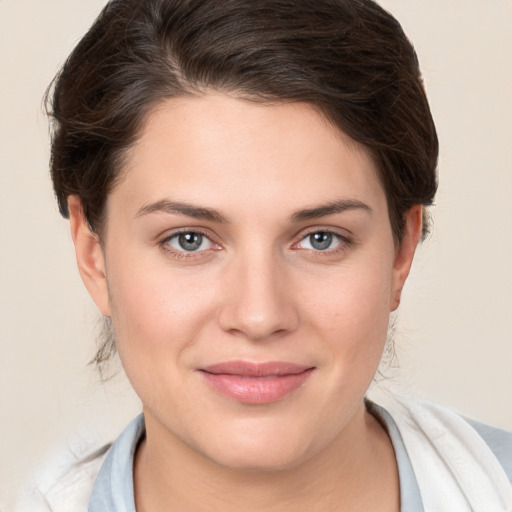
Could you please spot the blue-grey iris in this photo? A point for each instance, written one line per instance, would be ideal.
(321, 240)
(190, 241)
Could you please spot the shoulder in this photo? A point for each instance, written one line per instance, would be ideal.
(65, 481)
(84, 477)
(499, 441)
(455, 460)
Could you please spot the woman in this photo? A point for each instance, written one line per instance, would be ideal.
(246, 184)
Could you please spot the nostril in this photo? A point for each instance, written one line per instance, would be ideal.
(255, 328)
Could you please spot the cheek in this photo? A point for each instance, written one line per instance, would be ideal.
(353, 297)
(157, 322)
(352, 312)
(155, 308)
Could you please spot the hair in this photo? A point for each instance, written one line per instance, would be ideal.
(348, 58)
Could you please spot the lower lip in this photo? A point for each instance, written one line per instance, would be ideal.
(256, 390)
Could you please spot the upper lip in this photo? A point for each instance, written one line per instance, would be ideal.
(253, 369)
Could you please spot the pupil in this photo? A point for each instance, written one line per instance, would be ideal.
(321, 240)
(190, 241)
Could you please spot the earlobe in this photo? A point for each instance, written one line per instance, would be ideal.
(89, 256)
(413, 223)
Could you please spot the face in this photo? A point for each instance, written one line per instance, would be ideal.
(249, 268)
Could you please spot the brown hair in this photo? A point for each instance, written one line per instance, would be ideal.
(349, 58)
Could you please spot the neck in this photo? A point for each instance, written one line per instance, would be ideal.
(356, 471)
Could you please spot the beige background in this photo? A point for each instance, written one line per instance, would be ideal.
(454, 327)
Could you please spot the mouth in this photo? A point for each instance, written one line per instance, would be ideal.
(256, 383)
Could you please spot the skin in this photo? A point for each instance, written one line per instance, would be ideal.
(256, 290)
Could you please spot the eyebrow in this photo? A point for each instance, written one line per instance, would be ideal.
(196, 212)
(210, 214)
(330, 208)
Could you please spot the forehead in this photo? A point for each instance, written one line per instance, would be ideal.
(220, 149)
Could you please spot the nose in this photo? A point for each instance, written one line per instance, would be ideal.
(259, 302)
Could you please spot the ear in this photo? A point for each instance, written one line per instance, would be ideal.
(89, 255)
(413, 224)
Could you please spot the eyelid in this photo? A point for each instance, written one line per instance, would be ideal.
(164, 243)
(342, 233)
(344, 239)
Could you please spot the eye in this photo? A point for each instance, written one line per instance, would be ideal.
(189, 241)
(320, 241)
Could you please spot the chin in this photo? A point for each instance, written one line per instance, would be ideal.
(259, 460)
(260, 448)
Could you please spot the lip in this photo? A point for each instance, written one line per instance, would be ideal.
(256, 383)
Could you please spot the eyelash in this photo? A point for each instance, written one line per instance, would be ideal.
(183, 254)
(344, 242)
